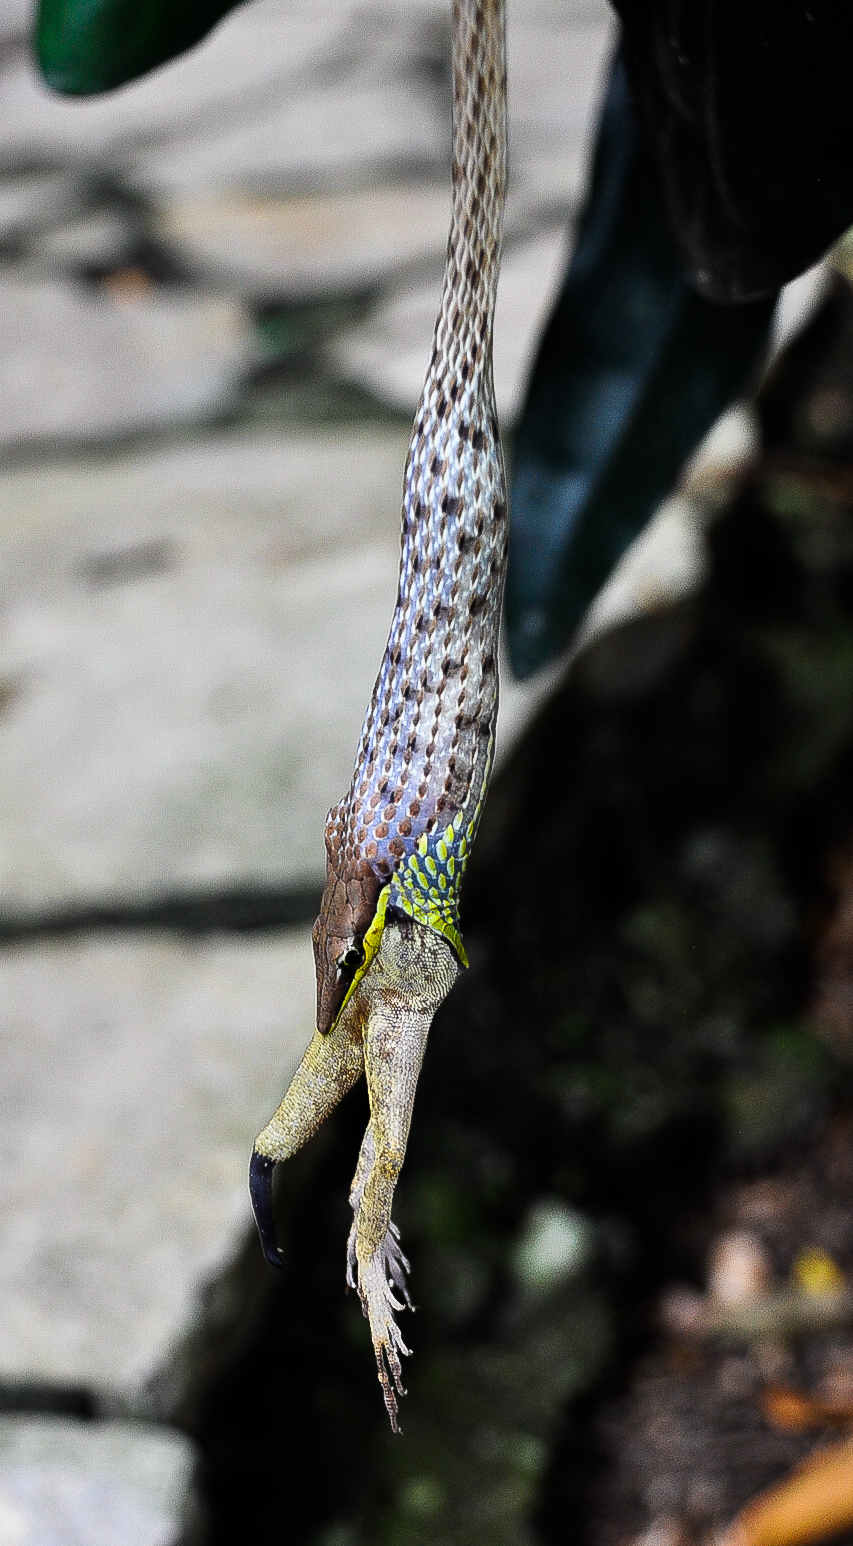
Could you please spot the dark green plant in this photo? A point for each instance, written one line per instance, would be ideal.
(86, 46)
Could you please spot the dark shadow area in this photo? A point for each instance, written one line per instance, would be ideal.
(229, 909)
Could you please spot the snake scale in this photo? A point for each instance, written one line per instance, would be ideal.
(387, 943)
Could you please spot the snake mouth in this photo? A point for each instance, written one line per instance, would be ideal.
(260, 1191)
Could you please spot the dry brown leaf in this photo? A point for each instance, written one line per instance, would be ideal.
(793, 1410)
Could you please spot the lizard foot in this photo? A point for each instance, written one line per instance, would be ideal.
(377, 1278)
(396, 1264)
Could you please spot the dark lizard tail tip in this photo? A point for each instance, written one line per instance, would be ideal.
(260, 1191)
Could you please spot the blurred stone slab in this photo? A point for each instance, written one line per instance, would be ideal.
(314, 245)
(669, 561)
(665, 564)
(188, 641)
(68, 1483)
(15, 19)
(338, 133)
(136, 1073)
(96, 240)
(558, 52)
(37, 200)
(388, 354)
(299, 95)
(82, 363)
(260, 51)
(373, 95)
(282, 92)
(303, 247)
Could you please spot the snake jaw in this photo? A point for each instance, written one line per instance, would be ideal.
(346, 913)
(261, 1169)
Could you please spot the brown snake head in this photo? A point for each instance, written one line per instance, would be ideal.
(346, 912)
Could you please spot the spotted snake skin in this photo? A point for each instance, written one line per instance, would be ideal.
(401, 836)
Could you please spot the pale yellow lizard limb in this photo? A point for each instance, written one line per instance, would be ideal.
(413, 972)
(330, 1067)
(383, 1031)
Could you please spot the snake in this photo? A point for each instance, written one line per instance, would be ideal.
(387, 943)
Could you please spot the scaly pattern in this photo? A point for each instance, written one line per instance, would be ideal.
(387, 942)
(411, 812)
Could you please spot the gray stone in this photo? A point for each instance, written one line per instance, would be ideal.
(136, 1073)
(287, 92)
(15, 19)
(801, 299)
(33, 201)
(78, 364)
(557, 56)
(188, 642)
(373, 99)
(343, 133)
(388, 353)
(96, 239)
(668, 561)
(294, 96)
(262, 51)
(310, 245)
(665, 564)
(68, 1483)
(380, 101)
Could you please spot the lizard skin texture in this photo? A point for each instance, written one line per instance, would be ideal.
(387, 943)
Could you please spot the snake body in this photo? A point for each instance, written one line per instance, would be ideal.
(406, 824)
(387, 943)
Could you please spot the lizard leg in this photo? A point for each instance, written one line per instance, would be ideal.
(413, 971)
(395, 1261)
(366, 1161)
(330, 1067)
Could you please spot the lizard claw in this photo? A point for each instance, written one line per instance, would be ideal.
(395, 1262)
(376, 1279)
(396, 1265)
(260, 1190)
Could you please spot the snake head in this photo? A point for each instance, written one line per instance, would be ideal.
(346, 912)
